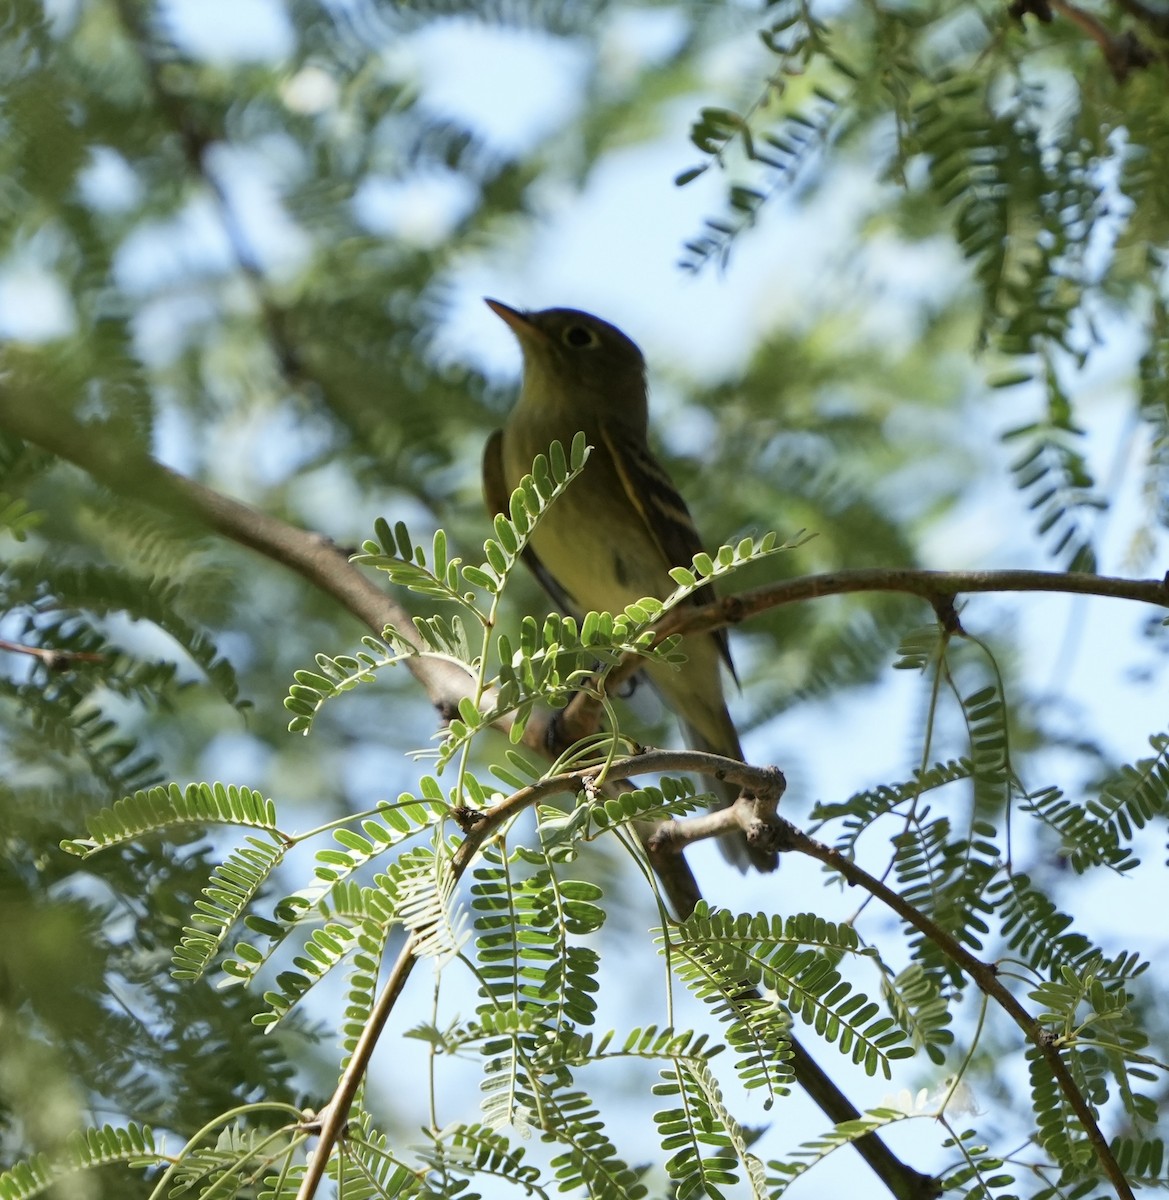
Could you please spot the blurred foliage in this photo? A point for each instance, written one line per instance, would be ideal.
(194, 227)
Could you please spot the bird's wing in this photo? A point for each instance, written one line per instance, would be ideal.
(498, 497)
(664, 513)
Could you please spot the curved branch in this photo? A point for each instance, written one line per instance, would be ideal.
(329, 1124)
(903, 1182)
(791, 838)
(131, 472)
(985, 976)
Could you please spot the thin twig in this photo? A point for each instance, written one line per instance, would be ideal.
(331, 1121)
(54, 660)
(934, 586)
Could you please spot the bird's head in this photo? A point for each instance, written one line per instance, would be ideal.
(575, 360)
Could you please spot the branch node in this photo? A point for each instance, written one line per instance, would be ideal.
(947, 614)
(755, 813)
(467, 818)
(733, 610)
(590, 786)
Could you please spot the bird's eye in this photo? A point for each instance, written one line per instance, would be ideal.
(580, 337)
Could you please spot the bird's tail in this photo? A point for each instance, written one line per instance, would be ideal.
(734, 846)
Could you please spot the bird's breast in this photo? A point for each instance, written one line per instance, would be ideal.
(591, 539)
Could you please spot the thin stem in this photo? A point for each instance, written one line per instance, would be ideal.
(432, 1061)
(923, 764)
(294, 839)
(967, 1060)
(222, 1119)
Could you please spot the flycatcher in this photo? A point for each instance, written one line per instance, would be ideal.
(618, 529)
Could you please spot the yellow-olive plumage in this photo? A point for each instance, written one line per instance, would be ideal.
(618, 529)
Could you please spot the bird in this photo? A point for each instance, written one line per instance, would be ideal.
(619, 528)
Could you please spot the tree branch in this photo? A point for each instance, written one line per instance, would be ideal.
(128, 471)
(583, 714)
(937, 587)
(673, 871)
(903, 1182)
(330, 1122)
(984, 975)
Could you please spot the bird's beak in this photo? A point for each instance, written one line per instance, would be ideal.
(518, 322)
